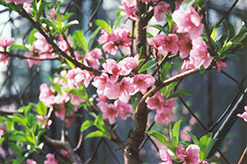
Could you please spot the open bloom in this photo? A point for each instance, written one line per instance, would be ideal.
(30, 161)
(156, 102)
(142, 82)
(159, 10)
(50, 159)
(110, 112)
(129, 9)
(188, 21)
(190, 155)
(6, 41)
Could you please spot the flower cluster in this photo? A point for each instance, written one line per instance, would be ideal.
(129, 9)
(58, 96)
(119, 38)
(164, 108)
(19, 1)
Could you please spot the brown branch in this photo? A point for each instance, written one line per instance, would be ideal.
(63, 145)
(29, 57)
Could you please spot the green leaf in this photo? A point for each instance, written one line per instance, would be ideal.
(121, 58)
(166, 90)
(187, 3)
(97, 134)
(160, 137)
(17, 150)
(194, 139)
(41, 108)
(117, 22)
(179, 93)
(49, 23)
(159, 27)
(149, 35)
(202, 69)
(86, 124)
(213, 33)
(70, 63)
(20, 119)
(79, 39)
(205, 145)
(233, 56)
(80, 92)
(18, 47)
(229, 27)
(165, 70)
(170, 22)
(103, 25)
(148, 65)
(175, 133)
(74, 22)
(57, 87)
(92, 37)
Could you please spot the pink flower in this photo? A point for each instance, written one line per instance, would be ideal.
(200, 54)
(4, 58)
(77, 76)
(19, 1)
(187, 65)
(142, 82)
(184, 45)
(60, 111)
(6, 41)
(30, 161)
(171, 43)
(128, 64)
(188, 21)
(184, 133)
(220, 64)
(42, 120)
(126, 88)
(129, 7)
(101, 82)
(156, 102)
(32, 62)
(50, 159)
(46, 95)
(124, 109)
(93, 57)
(110, 111)
(165, 156)
(2, 131)
(41, 45)
(164, 116)
(159, 10)
(112, 68)
(243, 115)
(190, 155)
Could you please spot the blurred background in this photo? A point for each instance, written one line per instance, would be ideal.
(213, 90)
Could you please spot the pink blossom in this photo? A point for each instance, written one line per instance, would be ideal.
(142, 82)
(165, 156)
(78, 56)
(2, 131)
(112, 68)
(19, 1)
(42, 120)
(41, 45)
(190, 155)
(163, 117)
(170, 103)
(32, 62)
(157, 43)
(77, 76)
(93, 57)
(126, 88)
(149, 1)
(200, 54)
(220, 64)
(171, 43)
(63, 45)
(27, 7)
(101, 83)
(156, 102)
(124, 109)
(184, 45)
(6, 41)
(184, 134)
(243, 115)
(113, 91)
(60, 111)
(4, 58)
(46, 95)
(50, 159)
(30, 161)
(128, 64)
(187, 65)
(129, 7)
(110, 111)
(75, 100)
(188, 21)
(159, 10)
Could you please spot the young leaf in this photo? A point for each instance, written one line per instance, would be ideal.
(179, 93)
(91, 38)
(175, 133)
(170, 22)
(49, 23)
(159, 27)
(80, 92)
(97, 134)
(233, 56)
(74, 22)
(160, 137)
(18, 47)
(103, 25)
(194, 139)
(79, 39)
(165, 70)
(148, 65)
(86, 124)
(41, 108)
